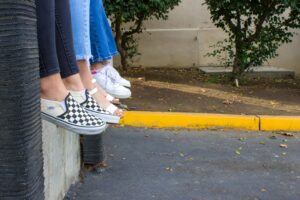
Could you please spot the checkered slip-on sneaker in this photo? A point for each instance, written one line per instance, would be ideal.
(72, 116)
(90, 105)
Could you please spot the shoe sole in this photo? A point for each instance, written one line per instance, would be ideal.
(127, 86)
(120, 96)
(111, 119)
(74, 128)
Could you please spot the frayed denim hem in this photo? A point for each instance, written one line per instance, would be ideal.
(102, 59)
(84, 57)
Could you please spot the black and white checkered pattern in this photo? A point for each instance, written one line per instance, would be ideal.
(76, 115)
(91, 105)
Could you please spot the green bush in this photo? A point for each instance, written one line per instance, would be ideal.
(255, 29)
(132, 14)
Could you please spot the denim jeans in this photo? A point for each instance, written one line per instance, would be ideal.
(93, 37)
(55, 38)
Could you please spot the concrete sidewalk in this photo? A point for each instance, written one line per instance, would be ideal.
(189, 165)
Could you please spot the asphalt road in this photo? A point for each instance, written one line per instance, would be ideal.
(188, 165)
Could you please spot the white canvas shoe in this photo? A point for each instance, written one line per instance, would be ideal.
(116, 77)
(71, 116)
(86, 100)
(111, 87)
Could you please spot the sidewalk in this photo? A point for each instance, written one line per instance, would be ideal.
(149, 164)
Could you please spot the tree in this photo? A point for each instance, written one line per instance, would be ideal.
(255, 29)
(128, 17)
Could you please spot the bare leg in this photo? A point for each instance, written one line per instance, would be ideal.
(53, 88)
(74, 83)
(99, 65)
(85, 74)
(86, 78)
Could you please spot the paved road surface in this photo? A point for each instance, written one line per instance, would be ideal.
(207, 165)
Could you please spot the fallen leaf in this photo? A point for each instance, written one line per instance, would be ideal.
(285, 146)
(262, 143)
(141, 78)
(263, 190)
(169, 169)
(286, 134)
(190, 159)
(273, 137)
(228, 102)
(274, 103)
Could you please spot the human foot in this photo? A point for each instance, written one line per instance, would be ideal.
(71, 116)
(113, 74)
(85, 99)
(112, 88)
(53, 88)
(105, 103)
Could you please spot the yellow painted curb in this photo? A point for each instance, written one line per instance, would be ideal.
(189, 120)
(279, 123)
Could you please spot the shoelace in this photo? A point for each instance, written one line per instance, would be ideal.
(108, 80)
(112, 74)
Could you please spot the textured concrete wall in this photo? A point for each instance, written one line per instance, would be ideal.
(185, 39)
(61, 151)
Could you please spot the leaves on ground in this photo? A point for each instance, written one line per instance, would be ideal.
(238, 151)
(170, 169)
(285, 146)
(262, 143)
(228, 102)
(287, 134)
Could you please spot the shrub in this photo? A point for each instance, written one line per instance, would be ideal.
(132, 14)
(255, 29)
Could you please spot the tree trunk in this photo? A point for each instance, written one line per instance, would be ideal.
(21, 160)
(237, 63)
(120, 43)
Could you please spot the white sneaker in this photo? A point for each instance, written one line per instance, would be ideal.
(116, 77)
(109, 86)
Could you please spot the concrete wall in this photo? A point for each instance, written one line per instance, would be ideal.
(184, 39)
(61, 151)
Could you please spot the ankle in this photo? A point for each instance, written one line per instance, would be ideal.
(89, 85)
(74, 83)
(98, 66)
(52, 88)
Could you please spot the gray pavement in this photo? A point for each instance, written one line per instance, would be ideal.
(188, 165)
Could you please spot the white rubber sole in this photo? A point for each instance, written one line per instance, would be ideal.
(82, 130)
(120, 96)
(125, 85)
(111, 119)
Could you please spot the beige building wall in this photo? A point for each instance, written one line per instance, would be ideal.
(185, 38)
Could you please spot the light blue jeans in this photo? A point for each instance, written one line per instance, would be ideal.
(93, 37)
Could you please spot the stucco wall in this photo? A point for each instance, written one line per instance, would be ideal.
(61, 150)
(184, 39)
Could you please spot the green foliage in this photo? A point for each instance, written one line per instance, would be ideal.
(255, 29)
(128, 17)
